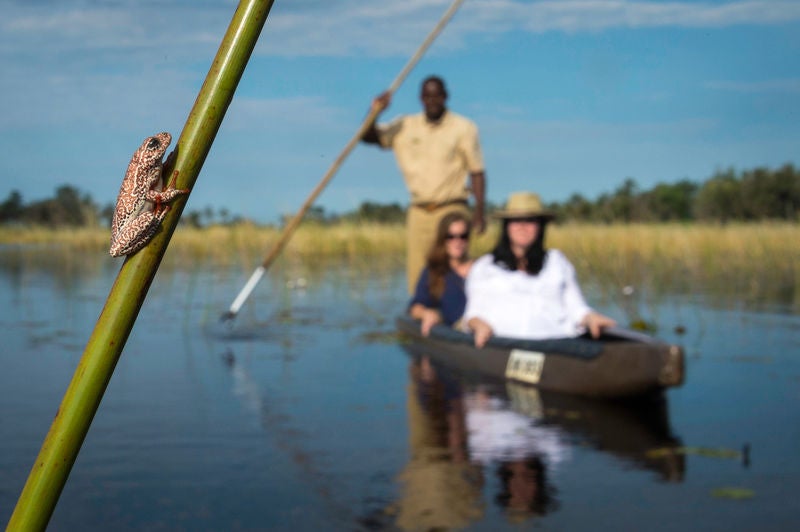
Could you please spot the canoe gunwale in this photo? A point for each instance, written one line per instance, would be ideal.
(621, 363)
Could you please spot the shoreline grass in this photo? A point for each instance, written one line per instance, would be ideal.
(750, 261)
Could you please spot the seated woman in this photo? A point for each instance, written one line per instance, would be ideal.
(439, 297)
(521, 289)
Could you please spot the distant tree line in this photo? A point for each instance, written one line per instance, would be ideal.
(67, 208)
(760, 194)
(70, 208)
(752, 195)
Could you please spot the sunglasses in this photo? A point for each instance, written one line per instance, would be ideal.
(460, 236)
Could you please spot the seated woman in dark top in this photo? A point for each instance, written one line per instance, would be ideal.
(439, 297)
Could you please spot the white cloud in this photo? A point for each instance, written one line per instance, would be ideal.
(55, 99)
(115, 30)
(251, 114)
(596, 15)
(344, 27)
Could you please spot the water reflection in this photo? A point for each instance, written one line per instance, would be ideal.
(467, 437)
(441, 487)
(522, 453)
(303, 415)
(630, 430)
(293, 441)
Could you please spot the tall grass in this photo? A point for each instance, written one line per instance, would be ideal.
(758, 261)
(748, 262)
(248, 245)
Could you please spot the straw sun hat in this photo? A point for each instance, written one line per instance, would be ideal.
(524, 205)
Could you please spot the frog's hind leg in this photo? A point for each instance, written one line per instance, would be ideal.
(135, 236)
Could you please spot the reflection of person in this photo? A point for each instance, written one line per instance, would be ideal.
(521, 289)
(440, 488)
(497, 433)
(435, 151)
(439, 297)
(522, 449)
(524, 488)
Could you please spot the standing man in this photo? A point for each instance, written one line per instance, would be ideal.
(436, 150)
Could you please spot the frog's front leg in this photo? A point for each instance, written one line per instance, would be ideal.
(160, 197)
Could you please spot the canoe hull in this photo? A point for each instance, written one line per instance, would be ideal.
(624, 363)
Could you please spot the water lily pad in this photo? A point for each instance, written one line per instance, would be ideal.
(708, 452)
(728, 492)
(643, 326)
(662, 452)
(719, 452)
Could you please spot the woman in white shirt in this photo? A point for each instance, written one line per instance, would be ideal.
(521, 289)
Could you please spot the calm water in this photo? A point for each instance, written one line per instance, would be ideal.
(307, 414)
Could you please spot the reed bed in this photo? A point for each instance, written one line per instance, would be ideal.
(89, 239)
(247, 245)
(749, 262)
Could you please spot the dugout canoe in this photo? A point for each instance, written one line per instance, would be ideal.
(621, 363)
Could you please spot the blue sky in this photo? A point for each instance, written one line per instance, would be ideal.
(570, 96)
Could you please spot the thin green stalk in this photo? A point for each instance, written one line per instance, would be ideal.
(82, 398)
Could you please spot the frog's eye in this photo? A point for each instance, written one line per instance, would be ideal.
(154, 144)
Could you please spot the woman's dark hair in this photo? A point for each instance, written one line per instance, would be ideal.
(438, 261)
(544, 495)
(534, 255)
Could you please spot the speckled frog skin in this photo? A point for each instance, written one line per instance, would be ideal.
(141, 202)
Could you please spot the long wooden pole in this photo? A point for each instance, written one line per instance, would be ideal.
(84, 393)
(290, 227)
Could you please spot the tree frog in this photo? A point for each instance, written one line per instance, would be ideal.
(141, 202)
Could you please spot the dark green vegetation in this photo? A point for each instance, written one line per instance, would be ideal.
(752, 195)
(760, 194)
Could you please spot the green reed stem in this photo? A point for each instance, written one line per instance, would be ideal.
(82, 398)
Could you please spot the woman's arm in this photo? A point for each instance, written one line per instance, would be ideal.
(576, 304)
(596, 322)
(421, 306)
(479, 302)
(481, 330)
(428, 316)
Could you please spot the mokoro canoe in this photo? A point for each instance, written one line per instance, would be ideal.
(620, 363)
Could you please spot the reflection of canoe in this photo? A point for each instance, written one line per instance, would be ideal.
(621, 363)
(629, 430)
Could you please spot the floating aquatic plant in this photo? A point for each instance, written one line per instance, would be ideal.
(729, 492)
(707, 452)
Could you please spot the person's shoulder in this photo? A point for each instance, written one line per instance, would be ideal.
(483, 262)
(557, 257)
(415, 118)
(460, 119)
(396, 121)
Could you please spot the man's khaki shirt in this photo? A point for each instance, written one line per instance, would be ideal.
(434, 158)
